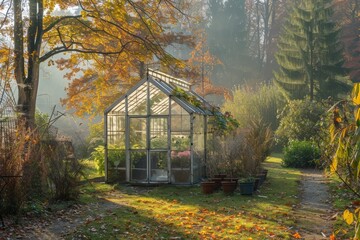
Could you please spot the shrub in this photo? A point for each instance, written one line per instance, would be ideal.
(300, 120)
(98, 155)
(64, 170)
(301, 154)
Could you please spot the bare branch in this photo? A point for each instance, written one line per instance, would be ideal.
(84, 50)
(6, 13)
(59, 20)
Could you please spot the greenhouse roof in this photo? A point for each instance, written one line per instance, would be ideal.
(168, 85)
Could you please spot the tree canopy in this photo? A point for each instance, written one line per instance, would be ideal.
(106, 40)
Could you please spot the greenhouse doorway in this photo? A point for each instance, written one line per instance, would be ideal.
(149, 160)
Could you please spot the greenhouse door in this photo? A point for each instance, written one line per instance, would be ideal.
(149, 149)
(159, 149)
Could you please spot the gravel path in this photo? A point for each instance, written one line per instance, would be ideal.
(314, 211)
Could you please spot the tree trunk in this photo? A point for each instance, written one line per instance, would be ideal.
(28, 85)
(23, 89)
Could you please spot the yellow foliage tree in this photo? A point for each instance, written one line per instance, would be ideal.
(345, 137)
(107, 41)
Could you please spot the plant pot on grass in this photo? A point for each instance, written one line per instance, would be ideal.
(256, 184)
(229, 187)
(208, 187)
(217, 182)
(262, 178)
(247, 186)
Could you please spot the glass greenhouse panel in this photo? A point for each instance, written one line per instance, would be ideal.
(116, 131)
(159, 133)
(159, 166)
(119, 109)
(138, 160)
(137, 133)
(116, 164)
(137, 101)
(176, 109)
(180, 142)
(180, 123)
(159, 101)
(180, 166)
(116, 123)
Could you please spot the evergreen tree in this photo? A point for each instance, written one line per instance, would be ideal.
(228, 40)
(310, 53)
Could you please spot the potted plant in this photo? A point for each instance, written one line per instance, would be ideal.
(256, 184)
(229, 187)
(217, 181)
(208, 187)
(247, 185)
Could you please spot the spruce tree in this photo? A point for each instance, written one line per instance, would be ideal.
(310, 53)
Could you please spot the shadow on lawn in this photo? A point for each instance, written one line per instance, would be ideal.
(119, 221)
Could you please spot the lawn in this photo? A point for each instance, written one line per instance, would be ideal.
(185, 213)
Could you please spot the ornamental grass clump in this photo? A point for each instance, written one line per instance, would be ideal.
(240, 154)
(18, 146)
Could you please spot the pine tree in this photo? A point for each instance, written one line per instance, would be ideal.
(310, 53)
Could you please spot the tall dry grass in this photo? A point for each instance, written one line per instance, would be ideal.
(18, 156)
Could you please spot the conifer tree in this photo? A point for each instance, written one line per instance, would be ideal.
(310, 54)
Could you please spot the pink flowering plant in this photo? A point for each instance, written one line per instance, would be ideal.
(180, 159)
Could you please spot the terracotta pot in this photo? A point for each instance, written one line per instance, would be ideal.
(229, 187)
(208, 187)
(217, 182)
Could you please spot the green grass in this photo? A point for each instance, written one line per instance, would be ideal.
(184, 212)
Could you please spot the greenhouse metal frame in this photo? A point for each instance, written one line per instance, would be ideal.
(154, 135)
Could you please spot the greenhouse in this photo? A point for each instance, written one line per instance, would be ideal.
(156, 133)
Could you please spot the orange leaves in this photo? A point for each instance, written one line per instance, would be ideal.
(297, 235)
(107, 42)
(332, 237)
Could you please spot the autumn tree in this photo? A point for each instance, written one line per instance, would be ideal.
(106, 41)
(310, 53)
(348, 14)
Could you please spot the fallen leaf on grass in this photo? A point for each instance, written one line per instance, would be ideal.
(296, 235)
